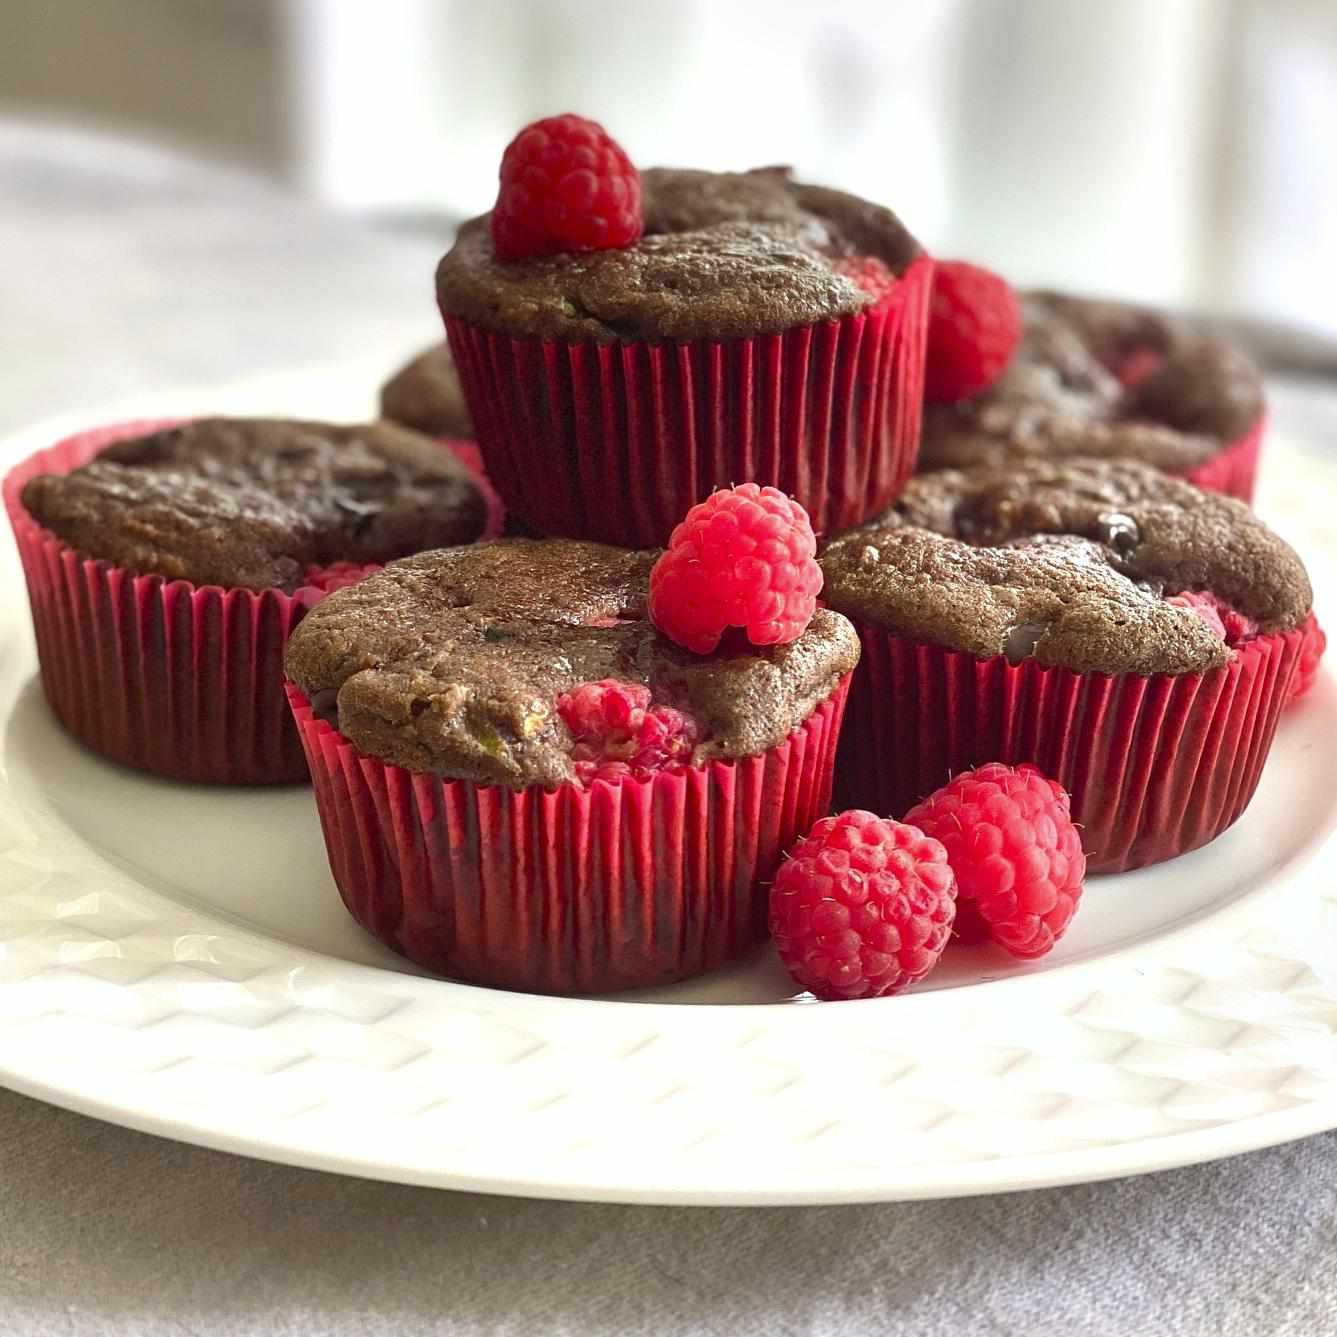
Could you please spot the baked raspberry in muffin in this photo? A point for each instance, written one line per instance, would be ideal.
(758, 329)
(1129, 634)
(522, 783)
(166, 565)
(1112, 381)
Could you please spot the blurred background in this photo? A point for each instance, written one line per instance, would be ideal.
(1179, 151)
(1172, 149)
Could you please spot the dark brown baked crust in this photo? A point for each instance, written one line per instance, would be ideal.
(250, 503)
(1065, 561)
(724, 255)
(452, 662)
(425, 394)
(1060, 397)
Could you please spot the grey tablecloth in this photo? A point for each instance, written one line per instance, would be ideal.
(126, 271)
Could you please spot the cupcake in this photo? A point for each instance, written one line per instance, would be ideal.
(522, 783)
(425, 395)
(1129, 634)
(704, 330)
(167, 564)
(1110, 381)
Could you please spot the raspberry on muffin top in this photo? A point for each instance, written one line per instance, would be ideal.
(723, 255)
(254, 503)
(454, 662)
(1100, 379)
(425, 394)
(1070, 562)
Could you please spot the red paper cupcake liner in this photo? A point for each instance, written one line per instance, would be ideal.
(179, 679)
(568, 890)
(1156, 766)
(182, 680)
(616, 441)
(1233, 470)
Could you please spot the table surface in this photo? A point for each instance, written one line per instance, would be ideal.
(124, 270)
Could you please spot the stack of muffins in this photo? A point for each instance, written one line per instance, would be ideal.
(522, 781)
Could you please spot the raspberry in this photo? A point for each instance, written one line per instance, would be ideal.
(1137, 366)
(862, 907)
(974, 326)
(1228, 623)
(336, 575)
(1311, 653)
(619, 735)
(745, 558)
(1016, 854)
(870, 273)
(565, 186)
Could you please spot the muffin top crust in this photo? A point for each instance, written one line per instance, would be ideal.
(253, 503)
(425, 394)
(452, 662)
(1185, 397)
(1069, 562)
(723, 255)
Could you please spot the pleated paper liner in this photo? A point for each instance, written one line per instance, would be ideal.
(162, 675)
(615, 442)
(568, 890)
(182, 680)
(1233, 470)
(1156, 766)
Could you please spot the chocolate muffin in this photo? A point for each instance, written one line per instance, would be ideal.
(166, 567)
(437, 701)
(1130, 634)
(425, 395)
(452, 662)
(724, 255)
(613, 389)
(1113, 381)
(257, 503)
(1071, 562)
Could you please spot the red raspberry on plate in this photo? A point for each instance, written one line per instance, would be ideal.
(1311, 654)
(566, 185)
(618, 734)
(862, 907)
(746, 558)
(974, 326)
(1016, 854)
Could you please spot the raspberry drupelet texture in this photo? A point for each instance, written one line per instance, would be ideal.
(744, 558)
(1228, 623)
(1311, 655)
(862, 907)
(618, 734)
(566, 185)
(871, 274)
(974, 327)
(1016, 854)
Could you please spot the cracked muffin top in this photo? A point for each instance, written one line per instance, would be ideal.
(1101, 379)
(1071, 562)
(723, 255)
(254, 503)
(425, 394)
(452, 662)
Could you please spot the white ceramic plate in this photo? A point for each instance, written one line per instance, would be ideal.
(176, 959)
